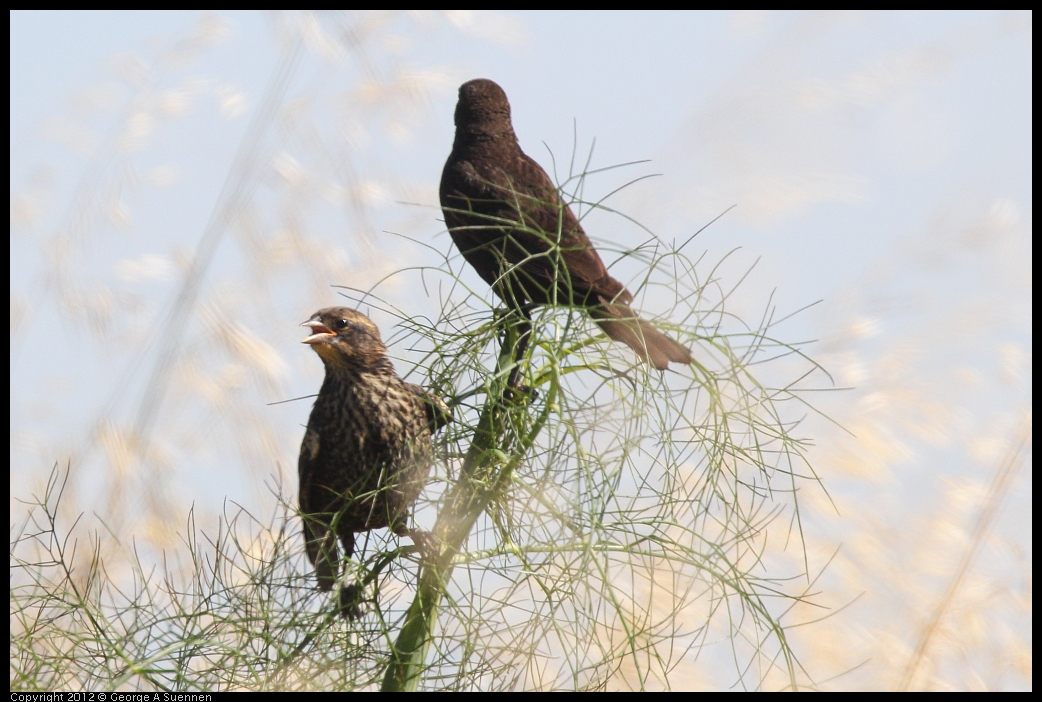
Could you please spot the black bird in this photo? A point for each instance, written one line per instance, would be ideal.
(367, 450)
(508, 221)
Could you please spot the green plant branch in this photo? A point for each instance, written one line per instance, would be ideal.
(487, 469)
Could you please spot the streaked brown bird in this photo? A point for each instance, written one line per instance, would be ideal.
(367, 450)
(507, 219)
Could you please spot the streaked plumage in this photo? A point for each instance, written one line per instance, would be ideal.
(367, 450)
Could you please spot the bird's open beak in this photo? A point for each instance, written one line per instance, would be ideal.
(320, 331)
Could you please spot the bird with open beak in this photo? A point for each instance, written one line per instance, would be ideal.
(367, 450)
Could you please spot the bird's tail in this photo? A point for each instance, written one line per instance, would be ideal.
(322, 552)
(622, 324)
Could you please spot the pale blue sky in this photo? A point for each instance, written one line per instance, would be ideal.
(842, 139)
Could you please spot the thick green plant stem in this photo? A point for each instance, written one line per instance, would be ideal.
(500, 443)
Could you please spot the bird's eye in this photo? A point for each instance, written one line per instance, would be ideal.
(341, 323)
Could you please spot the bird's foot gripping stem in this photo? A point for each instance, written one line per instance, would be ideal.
(350, 605)
(427, 543)
(517, 392)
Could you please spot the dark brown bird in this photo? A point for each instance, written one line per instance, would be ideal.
(367, 450)
(508, 221)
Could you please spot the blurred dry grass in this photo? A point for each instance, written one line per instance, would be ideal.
(932, 485)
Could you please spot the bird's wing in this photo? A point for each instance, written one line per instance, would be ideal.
(495, 193)
(438, 413)
(471, 193)
(306, 466)
(547, 213)
(321, 547)
(470, 203)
